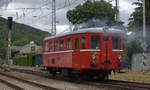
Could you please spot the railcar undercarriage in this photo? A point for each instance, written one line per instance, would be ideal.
(86, 74)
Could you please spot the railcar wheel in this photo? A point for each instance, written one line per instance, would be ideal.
(101, 77)
(70, 75)
(53, 73)
(86, 75)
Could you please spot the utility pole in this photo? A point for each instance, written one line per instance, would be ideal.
(117, 10)
(53, 29)
(144, 39)
(9, 40)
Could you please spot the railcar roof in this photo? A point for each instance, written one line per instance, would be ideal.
(88, 30)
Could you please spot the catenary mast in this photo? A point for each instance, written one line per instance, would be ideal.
(53, 29)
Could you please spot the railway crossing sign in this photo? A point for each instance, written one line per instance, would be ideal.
(144, 45)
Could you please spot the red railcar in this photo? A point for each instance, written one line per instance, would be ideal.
(92, 52)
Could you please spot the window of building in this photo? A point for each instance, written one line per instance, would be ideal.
(61, 45)
(56, 45)
(50, 46)
(46, 47)
(95, 42)
(76, 43)
(116, 42)
(83, 43)
(68, 43)
(33, 48)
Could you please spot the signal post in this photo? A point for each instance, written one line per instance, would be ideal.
(9, 41)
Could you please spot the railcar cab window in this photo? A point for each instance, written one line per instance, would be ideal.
(46, 46)
(61, 45)
(95, 42)
(55, 45)
(116, 42)
(83, 43)
(50, 46)
(68, 44)
(76, 43)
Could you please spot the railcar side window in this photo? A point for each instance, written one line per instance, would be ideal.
(116, 42)
(83, 43)
(61, 45)
(68, 43)
(95, 42)
(46, 47)
(55, 45)
(76, 43)
(50, 46)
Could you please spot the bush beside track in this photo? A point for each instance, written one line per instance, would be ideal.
(31, 59)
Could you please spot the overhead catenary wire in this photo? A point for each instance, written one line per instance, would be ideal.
(56, 10)
(25, 12)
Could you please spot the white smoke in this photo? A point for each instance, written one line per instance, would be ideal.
(94, 22)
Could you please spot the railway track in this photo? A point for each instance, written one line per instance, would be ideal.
(122, 85)
(11, 85)
(109, 84)
(22, 84)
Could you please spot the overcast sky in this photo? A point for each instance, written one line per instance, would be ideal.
(41, 18)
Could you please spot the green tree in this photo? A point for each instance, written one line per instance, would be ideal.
(3, 48)
(21, 35)
(89, 10)
(136, 18)
(21, 42)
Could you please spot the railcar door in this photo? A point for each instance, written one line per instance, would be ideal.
(106, 51)
(76, 53)
(112, 51)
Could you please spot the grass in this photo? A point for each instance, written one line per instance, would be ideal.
(132, 76)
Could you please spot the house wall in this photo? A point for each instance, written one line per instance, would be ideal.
(137, 62)
(27, 49)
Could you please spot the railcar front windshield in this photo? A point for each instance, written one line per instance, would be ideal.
(95, 42)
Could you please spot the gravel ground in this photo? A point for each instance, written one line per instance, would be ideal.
(4, 87)
(63, 85)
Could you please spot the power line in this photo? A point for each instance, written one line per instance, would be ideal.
(26, 8)
(56, 10)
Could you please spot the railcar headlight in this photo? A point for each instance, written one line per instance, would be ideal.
(93, 57)
(119, 57)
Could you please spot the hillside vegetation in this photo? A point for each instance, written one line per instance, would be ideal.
(21, 35)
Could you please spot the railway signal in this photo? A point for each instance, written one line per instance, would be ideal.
(10, 19)
(10, 23)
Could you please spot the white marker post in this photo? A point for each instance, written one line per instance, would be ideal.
(144, 37)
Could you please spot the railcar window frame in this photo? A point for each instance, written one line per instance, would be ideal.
(83, 42)
(68, 44)
(46, 46)
(95, 44)
(116, 43)
(76, 43)
(50, 46)
(62, 45)
(33, 48)
(56, 45)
